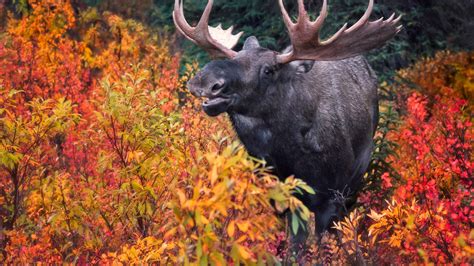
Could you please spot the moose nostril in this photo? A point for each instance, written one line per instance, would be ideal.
(217, 87)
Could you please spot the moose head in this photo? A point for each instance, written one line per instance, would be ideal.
(242, 79)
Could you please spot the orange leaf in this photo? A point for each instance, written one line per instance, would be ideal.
(243, 226)
(231, 229)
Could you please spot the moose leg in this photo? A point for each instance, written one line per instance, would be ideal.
(325, 214)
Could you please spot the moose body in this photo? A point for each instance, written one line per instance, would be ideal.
(310, 111)
(313, 120)
(317, 126)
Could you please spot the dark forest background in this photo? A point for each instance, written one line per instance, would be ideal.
(429, 25)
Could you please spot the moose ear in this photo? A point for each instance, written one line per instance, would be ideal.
(305, 66)
(251, 43)
(300, 66)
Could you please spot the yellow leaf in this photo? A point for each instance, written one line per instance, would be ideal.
(170, 233)
(241, 239)
(231, 229)
(243, 252)
(181, 196)
(243, 226)
(213, 174)
(375, 216)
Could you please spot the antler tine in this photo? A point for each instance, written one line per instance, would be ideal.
(363, 19)
(286, 18)
(179, 19)
(201, 35)
(397, 19)
(302, 14)
(322, 16)
(204, 21)
(361, 37)
(336, 35)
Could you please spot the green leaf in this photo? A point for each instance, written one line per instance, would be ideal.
(294, 223)
(199, 249)
(136, 186)
(306, 188)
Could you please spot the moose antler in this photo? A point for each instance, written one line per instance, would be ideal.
(215, 40)
(361, 37)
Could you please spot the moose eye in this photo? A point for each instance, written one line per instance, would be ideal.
(267, 71)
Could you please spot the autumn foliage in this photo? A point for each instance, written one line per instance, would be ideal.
(423, 210)
(104, 157)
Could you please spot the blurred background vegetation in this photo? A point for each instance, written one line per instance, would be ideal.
(69, 70)
(429, 25)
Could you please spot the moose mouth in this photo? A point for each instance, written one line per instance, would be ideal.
(216, 106)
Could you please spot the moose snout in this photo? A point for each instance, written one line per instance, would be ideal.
(206, 87)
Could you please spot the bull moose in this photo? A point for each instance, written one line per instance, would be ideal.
(310, 111)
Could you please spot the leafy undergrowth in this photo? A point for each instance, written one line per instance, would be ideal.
(101, 161)
(420, 208)
(105, 158)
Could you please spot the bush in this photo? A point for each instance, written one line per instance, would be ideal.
(111, 167)
(105, 158)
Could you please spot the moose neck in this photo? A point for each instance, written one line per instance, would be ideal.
(262, 118)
